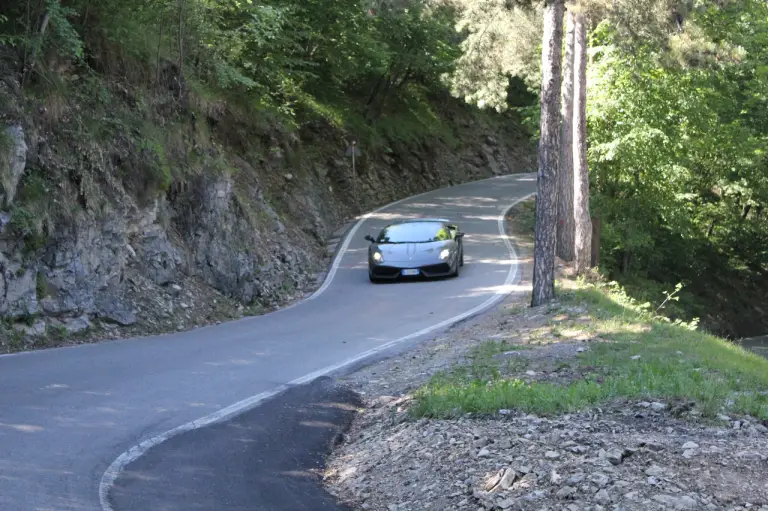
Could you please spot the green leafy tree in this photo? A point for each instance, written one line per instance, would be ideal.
(679, 152)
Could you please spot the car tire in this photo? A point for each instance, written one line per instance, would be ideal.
(461, 258)
(456, 271)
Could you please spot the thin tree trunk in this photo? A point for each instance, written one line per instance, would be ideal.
(28, 37)
(157, 58)
(549, 150)
(404, 79)
(84, 23)
(565, 226)
(596, 241)
(626, 262)
(582, 221)
(375, 90)
(378, 107)
(29, 68)
(181, 44)
(745, 214)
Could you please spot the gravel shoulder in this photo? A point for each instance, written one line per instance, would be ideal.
(625, 453)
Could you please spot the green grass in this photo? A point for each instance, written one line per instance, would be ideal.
(677, 363)
(41, 285)
(483, 365)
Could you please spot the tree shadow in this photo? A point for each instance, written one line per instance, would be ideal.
(267, 458)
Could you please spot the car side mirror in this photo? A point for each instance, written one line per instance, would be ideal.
(370, 238)
(459, 234)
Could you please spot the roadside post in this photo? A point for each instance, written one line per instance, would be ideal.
(354, 151)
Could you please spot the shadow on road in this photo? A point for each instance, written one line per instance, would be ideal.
(269, 458)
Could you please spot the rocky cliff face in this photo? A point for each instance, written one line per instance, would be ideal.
(222, 241)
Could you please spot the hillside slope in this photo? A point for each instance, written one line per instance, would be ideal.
(129, 210)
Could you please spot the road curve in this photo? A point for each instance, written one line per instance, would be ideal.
(71, 418)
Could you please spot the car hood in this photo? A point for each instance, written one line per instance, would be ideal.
(413, 251)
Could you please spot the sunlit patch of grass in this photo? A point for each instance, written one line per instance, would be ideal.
(640, 357)
(482, 363)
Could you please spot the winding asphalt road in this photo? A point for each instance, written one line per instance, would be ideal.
(72, 419)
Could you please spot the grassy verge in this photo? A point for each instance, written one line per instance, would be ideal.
(634, 355)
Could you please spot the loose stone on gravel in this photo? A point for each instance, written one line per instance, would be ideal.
(434, 464)
(624, 456)
(600, 479)
(603, 497)
(575, 479)
(684, 502)
(655, 471)
(616, 456)
(501, 481)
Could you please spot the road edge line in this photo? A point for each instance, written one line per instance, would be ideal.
(116, 467)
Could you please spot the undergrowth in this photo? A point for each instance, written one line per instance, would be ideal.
(639, 356)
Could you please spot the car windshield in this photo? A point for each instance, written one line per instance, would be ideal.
(415, 232)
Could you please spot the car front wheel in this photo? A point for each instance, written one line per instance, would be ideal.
(456, 270)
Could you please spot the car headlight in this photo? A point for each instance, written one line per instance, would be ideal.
(377, 257)
(445, 253)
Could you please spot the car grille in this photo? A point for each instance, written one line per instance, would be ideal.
(436, 269)
(385, 271)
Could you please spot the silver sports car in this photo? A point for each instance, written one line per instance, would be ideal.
(427, 247)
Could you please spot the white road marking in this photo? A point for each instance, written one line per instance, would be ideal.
(113, 471)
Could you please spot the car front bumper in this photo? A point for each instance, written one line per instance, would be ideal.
(394, 270)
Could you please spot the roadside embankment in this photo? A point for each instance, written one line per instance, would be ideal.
(591, 402)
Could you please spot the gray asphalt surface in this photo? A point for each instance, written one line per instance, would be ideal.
(67, 414)
(261, 460)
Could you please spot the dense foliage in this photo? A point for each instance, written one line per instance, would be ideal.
(290, 56)
(503, 40)
(678, 151)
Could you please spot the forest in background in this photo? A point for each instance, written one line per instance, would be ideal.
(677, 119)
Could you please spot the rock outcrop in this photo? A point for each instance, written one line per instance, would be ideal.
(249, 231)
(13, 160)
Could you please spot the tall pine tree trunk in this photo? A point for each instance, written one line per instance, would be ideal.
(549, 150)
(582, 220)
(565, 227)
